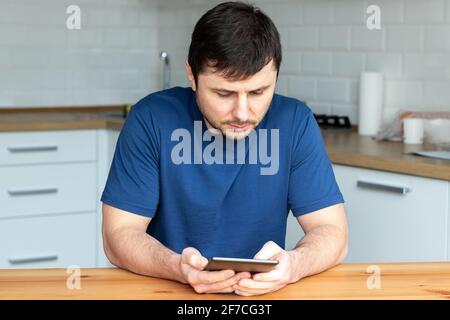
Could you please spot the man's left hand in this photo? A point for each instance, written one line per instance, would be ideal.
(283, 274)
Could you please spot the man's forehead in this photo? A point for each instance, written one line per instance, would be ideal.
(215, 79)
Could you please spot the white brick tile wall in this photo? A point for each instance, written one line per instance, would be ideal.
(114, 58)
(363, 39)
(347, 64)
(303, 38)
(284, 38)
(5, 58)
(408, 38)
(103, 62)
(334, 38)
(437, 94)
(282, 86)
(388, 64)
(404, 94)
(448, 11)
(87, 37)
(286, 14)
(302, 88)
(424, 11)
(430, 66)
(316, 63)
(291, 63)
(317, 12)
(349, 11)
(333, 90)
(354, 91)
(391, 11)
(437, 38)
(320, 108)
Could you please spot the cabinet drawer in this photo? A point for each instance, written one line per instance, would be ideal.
(47, 147)
(45, 189)
(48, 242)
(394, 217)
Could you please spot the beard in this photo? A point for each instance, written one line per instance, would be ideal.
(226, 130)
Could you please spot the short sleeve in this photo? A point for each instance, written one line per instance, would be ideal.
(133, 179)
(312, 184)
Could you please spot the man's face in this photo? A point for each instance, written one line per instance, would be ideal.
(234, 107)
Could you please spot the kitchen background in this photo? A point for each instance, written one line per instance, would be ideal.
(114, 59)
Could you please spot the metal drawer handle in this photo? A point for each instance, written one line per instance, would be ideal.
(18, 149)
(31, 191)
(19, 259)
(383, 187)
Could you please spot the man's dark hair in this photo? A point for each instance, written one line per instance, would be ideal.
(235, 38)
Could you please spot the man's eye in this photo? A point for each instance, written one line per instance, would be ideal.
(257, 93)
(224, 94)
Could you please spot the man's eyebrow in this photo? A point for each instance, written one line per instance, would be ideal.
(231, 91)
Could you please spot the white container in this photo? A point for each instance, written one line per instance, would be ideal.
(413, 131)
(437, 131)
(370, 103)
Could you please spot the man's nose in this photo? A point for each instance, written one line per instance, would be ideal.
(241, 111)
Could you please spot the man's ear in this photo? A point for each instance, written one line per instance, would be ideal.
(190, 75)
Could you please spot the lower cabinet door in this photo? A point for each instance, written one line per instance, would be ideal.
(394, 217)
(56, 241)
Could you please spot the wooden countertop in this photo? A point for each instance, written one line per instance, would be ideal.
(346, 281)
(349, 148)
(343, 147)
(63, 118)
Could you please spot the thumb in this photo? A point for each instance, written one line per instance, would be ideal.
(194, 258)
(268, 251)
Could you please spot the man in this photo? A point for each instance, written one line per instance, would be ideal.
(167, 208)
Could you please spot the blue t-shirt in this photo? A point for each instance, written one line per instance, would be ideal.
(226, 208)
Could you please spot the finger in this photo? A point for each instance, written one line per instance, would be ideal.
(269, 250)
(194, 258)
(225, 290)
(252, 284)
(243, 293)
(209, 277)
(244, 275)
(270, 276)
(221, 285)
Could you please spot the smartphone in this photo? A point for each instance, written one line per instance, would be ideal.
(241, 265)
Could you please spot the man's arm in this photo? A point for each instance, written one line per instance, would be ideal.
(323, 246)
(325, 243)
(128, 246)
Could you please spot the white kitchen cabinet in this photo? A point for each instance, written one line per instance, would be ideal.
(107, 140)
(48, 189)
(293, 232)
(48, 242)
(43, 147)
(394, 217)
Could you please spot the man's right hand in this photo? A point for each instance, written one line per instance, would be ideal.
(192, 268)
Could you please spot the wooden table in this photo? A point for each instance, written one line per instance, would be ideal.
(347, 281)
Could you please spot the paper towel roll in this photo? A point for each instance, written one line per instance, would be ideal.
(370, 103)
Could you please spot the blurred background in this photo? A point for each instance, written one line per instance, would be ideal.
(115, 56)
